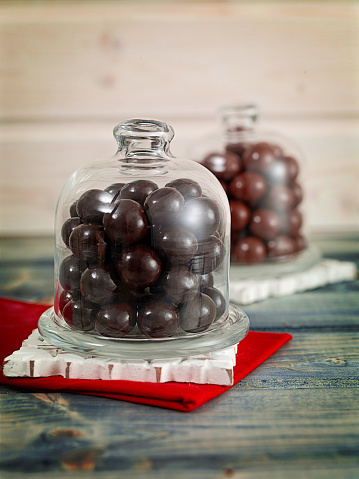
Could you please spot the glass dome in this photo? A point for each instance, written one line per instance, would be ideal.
(142, 244)
(261, 173)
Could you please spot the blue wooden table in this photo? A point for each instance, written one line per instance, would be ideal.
(296, 416)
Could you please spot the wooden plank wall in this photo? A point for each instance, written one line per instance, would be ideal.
(70, 71)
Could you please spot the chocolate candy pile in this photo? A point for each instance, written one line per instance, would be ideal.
(264, 195)
(142, 255)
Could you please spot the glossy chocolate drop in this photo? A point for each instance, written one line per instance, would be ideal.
(188, 188)
(92, 205)
(240, 215)
(70, 273)
(248, 187)
(201, 216)
(67, 229)
(98, 284)
(198, 314)
(114, 190)
(291, 223)
(279, 198)
(298, 194)
(281, 246)
(67, 296)
(265, 224)
(139, 266)
(218, 299)
(209, 256)
(292, 168)
(260, 157)
(158, 319)
(205, 280)
(223, 165)
(87, 242)
(115, 320)
(178, 284)
(73, 210)
(278, 173)
(249, 250)
(78, 316)
(127, 222)
(164, 206)
(138, 190)
(175, 244)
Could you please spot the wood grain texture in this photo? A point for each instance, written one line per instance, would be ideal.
(295, 416)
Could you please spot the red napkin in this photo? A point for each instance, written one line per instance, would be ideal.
(18, 319)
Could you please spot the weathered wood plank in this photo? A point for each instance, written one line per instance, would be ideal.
(85, 60)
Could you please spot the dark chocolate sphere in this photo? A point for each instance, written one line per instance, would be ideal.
(79, 316)
(115, 320)
(292, 168)
(298, 194)
(259, 157)
(158, 319)
(240, 214)
(187, 187)
(279, 198)
(70, 273)
(178, 284)
(139, 266)
(87, 242)
(223, 165)
(164, 206)
(114, 190)
(248, 187)
(98, 284)
(175, 244)
(198, 314)
(249, 250)
(209, 256)
(92, 205)
(127, 223)
(201, 216)
(67, 296)
(291, 223)
(67, 229)
(138, 190)
(218, 299)
(281, 246)
(73, 210)
(265, 224)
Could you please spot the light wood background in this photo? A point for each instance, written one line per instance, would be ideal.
(70, 71)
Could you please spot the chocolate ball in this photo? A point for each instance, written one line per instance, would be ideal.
(73, 210)
(127, 223)
(175, 244)
(70, 273)
(78, 316)
(67, 229)
(201, 216)
(164, 206)
(114, 190)
(188, 188)
(279, 198)
(178, 284)
(66, 297)
(291, 223)
(238, 148)
(139, 267)
(198, 314)
(249, 250)
(158, 319)
(292, 168)
(93, 204)
(240, 215)
(209, 256)
(115, 320)
(98, 284)
(205, 281)
(248, 187)
(137, 190)
(87, 242)
(265, 224)
(218, 299)
(260, 157)
(223, 165)
(281, 246)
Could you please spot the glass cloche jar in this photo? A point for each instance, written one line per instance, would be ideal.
(142, 244)
(261, 173)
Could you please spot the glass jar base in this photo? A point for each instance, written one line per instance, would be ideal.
(221, 334)
(300, 262)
